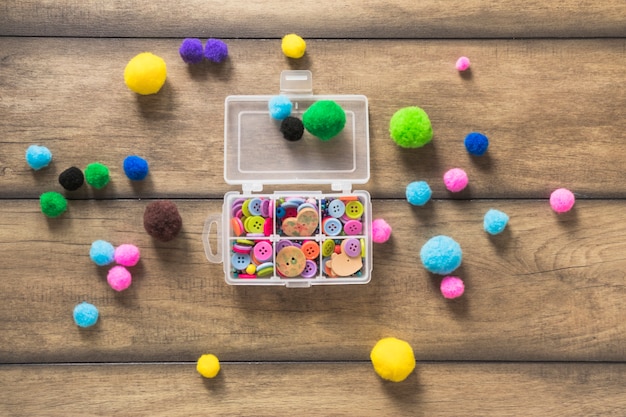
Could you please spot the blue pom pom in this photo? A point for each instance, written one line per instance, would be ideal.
(135, 168)
(280, 107)
(418, 193)
(85, 314)
(191, 51)
(102, 252)
(441, 255)
(38, 157)
(495, 221)
(476, 143)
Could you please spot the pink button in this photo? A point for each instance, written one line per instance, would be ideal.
(263, 251)
(353, 227)
(268, 227)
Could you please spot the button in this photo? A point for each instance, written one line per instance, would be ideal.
(331, 226)
(362, 248)
(244, 208)
(282, 244)
(237, 226)
(310, 269)
(290, 211)
(270, 209)
(280, 212)
(268, 227)
(265, 208)
(336, 208)
(240, 261)
(307, 205)
(353, 227)
(239, 248)
(354, 209)
(236, 208)
(254, 206)
(264, 270)
(246, 276)
(351, 247)
(310, 249)
(328, 248)
(254, 224)
(263, 251)
(290, 261)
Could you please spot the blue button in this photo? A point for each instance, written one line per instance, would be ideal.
(336, 208)
(255, 206)
(240, 261)
(332, 226)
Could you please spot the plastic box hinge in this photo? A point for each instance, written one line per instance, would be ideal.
(343, 186)
(249, 188)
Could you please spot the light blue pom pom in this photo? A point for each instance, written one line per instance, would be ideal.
(418, 193)
(102, 252)
(441, 255)
(280, 107)
(85, 314)
(38, 157)
(495, 221)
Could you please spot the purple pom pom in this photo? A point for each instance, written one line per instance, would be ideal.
(215, 50)
(191, 51)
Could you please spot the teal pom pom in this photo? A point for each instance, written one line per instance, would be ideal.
(279, 107)
(38, 157)
(495, 221)
(441, 255)
(85, 314)
(102, 252)
(418, 193)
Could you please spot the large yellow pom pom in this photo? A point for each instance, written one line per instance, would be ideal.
(208, 365)
(393, 359)
(145, 73)
(293, 46)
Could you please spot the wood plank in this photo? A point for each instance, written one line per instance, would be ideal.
(314, 19)
(550, 107)
(550, 288)
(314, 389)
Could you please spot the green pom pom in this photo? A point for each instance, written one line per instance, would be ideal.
(97, 175)
(410, 127)
(52, 204)
(324, 119)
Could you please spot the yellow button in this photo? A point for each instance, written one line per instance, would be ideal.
(328, 248)
(245, 209)
(254, 224)
(354, 209)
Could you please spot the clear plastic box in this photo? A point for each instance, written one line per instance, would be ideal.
(293, 238)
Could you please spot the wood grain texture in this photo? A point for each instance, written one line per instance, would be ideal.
(314, 389)
(552, 109)
(314, 19)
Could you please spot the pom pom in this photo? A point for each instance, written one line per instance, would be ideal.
(455, 180)
(38, 157)
(85, 314)
(215, 50)
(102, 252)
(324, 119)
(135, 167)
(119, 278)
(145, 73)
(293, 46)
(562, 200)
(441, 255)
(97, 175)
(452, 287)
(191, 51)
(463, 63)
(279, 106)
(52, 204)
(418, 193)
(495, 221)
(292, 128)
(381, 231)
(476, 143)
(208, 365)
(127, 255)
(162, 220)
(393, 359)
(71, 179)
(410, 127)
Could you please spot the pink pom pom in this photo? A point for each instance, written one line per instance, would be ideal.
(452, 287)
(119, 278)
(127, 255)
(381, 231)
(562, 200)
(462, 63)
(455, 179)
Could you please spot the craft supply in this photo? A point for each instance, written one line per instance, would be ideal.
(127, 255)
(162, 220)
(38, 157)
(145, 73)
(381, 231)
(208, 365)
(441, 255)
(191, 51)
(215, 50)
(71, 179)
(135, 167)
(455, 180)
(52, 204)
(418, 193)
(97, 175)
(279, 106)
(292, 128)
(293, 46)
(119, 278)
(463, 63)
(393, 359)
(410, 127)
(495, 221)
(102, 252)
(324, 119)
(452, 287)
(562, 200)
(476, 143)
(85, 314)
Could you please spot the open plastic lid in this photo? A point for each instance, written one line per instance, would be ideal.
(256, 154)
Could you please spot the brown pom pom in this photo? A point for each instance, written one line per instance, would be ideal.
(162, 220)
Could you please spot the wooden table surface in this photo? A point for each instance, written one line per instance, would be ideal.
(541, 328)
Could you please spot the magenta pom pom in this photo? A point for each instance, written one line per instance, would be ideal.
(452, 287)
(562, 200)
(455, 180)
(381, 231)
(462, 63)
(119, 278)
(127, 255)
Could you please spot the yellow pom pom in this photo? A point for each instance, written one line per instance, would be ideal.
(251, 269)
(145, 73)
(208, 365)
(293, 46)
(393, 359)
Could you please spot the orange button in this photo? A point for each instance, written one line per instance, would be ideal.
(311, 249)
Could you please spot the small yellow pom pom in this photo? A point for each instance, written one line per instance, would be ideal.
(293, 46)
(208, 365)
(393, 359)
(145, 73)
(251, 269)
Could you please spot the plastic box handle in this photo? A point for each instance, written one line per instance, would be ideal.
(213, 256)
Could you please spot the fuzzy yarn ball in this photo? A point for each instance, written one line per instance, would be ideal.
(127, 255)
(441, 255)
(97, 175)
(495, 221)
(145, 73)
(38, 157)
(452, 287)
(135, 167)
(191, 51)
(85, 314)
(562, 200)
(292, 128)
(381, 231)
(455, 180)
(208, 365)
(293, 46)
(71, 179)
(324, 119)
(418, 193)
(410, 127)
(119, 278)
(463, 63)
(52, 204)
(279, 106)
(393, 359)
(162, 220)
(215, 50)
(102, 252)
(476, 143)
